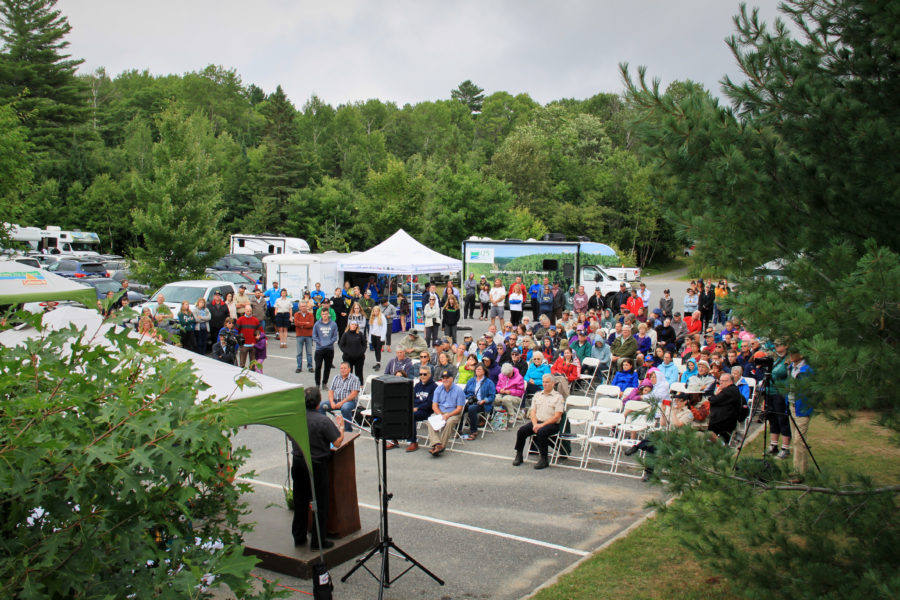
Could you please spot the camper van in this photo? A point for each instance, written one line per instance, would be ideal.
(75, 243)
(267, 244)
(590, 264)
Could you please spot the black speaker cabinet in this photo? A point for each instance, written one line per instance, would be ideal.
(392, 408)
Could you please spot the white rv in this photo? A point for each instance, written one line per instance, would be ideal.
(298, 273)
(75, 243)
(267, 244)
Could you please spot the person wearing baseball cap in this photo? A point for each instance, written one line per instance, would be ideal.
(703, 378)
(449, 400)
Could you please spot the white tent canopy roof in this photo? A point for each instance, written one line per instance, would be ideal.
(400, 254)
(221, 377)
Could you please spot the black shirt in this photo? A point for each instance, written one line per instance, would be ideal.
(322, 433)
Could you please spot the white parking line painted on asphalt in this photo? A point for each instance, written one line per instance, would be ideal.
(493, 532)
(401, 513)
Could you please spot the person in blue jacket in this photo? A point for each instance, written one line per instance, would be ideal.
(800, 406)
(626, 377)
(480, 393)
(545, 301)
(689, 371)
(533, 292)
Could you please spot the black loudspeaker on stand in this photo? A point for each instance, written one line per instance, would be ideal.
(392, 418)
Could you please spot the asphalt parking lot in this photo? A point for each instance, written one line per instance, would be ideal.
(490, 530)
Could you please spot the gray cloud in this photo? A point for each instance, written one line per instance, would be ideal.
(347, 51)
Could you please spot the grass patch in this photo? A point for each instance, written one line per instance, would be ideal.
(651, 564)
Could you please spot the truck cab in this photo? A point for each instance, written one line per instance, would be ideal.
(595, 276)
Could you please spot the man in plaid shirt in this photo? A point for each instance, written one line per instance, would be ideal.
(342, 395)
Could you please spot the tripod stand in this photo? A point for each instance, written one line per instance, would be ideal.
(766, 384)
(385, 543)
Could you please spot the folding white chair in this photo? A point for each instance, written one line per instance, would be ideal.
(677, 388)
(677, 361)
(363, 404)
(579, 422)
(578, 402)
(638, 425)
(592, 376)
(607, 391)
(606, 404)
(607, 421)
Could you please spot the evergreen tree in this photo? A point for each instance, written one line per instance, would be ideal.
(469, 94)
(283, 171)
(803, 163)
(798, 169)
(37, 77)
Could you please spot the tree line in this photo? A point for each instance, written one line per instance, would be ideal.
(163, 166)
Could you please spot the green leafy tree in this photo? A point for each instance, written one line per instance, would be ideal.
(115, 482)
(802, 164)
(179, 207)
(15, 169)
(464, 203)
(37, 77)
(469, 94)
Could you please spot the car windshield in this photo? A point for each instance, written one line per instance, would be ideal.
(106, 285)
(180, 293)
(248, 260)
(84, 246)
(233, 277)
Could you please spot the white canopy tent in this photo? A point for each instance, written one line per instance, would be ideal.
(400, 254)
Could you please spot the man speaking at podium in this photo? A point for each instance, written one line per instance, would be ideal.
(322, 434)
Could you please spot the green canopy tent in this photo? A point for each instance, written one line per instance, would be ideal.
(20, 284)
(269, 401)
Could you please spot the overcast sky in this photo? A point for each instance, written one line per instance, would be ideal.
(353, 50)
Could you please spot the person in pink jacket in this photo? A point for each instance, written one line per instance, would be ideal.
(580, 301)
(510, 389)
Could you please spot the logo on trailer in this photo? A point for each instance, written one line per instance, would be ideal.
(480, 255)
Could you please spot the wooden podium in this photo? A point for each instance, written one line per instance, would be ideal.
(272, 543)
(343, 505)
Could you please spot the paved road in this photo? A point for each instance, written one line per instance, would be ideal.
(491, 530)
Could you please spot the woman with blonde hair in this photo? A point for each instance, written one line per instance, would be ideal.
(232, 307)
(377, 332)
(202, 316)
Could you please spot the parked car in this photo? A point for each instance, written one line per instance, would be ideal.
(113, 266)
(179, 291)
(233, 276)
(28, 260)
(122, 275)
(73, 266)
(104, 284)
(228, 263)
(252, 261)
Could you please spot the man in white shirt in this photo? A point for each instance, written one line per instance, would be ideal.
(498, 298)
(644, 295)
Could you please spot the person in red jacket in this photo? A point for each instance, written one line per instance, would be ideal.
(634, 303)
(567, 366)
(304, 320)
(247, 326)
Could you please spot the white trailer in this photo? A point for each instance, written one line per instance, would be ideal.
(298, 273)
(28, 236)
(267, 244)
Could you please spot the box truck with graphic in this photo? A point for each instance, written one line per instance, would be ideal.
(590, 264)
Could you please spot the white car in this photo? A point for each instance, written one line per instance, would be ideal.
(179, 291)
